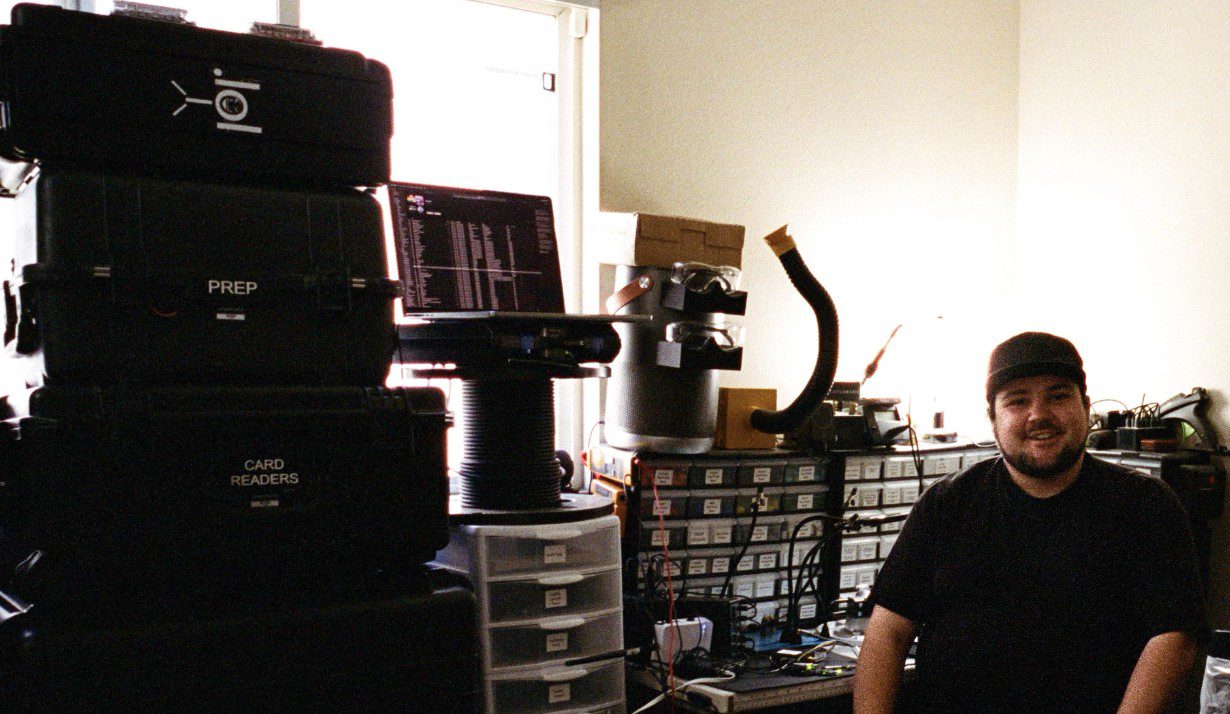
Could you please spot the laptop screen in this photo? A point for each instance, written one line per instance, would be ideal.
(461, 250)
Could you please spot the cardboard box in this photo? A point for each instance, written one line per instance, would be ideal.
(734, 427)
(659, 241)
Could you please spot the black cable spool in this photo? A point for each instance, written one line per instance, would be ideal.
(508, 457)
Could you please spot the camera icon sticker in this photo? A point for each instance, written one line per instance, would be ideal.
(230, 102)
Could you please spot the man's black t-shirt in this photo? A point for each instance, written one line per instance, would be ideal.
(1040, 605)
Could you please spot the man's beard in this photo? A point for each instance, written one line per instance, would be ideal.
(1029, 466)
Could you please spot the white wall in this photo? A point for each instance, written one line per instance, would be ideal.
(1124, 211)
(888, 134)
(884, 133)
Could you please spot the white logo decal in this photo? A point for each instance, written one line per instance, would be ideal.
(230, 103)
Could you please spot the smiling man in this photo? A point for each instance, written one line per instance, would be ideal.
(1042, 581)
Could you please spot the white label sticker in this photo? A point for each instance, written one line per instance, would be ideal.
(554, 554)
(664, 477)
(870, 497)
(557, 642)
(865, 577)
(892, 469)
(662, 507)
(713, 506)
(557, 597)
(805, 501)
(761, 474)
(768, 561)
(849, 552)
(892, 496)
(871, 471)
(721, 534)
(807, 611)
(807, 473)
(806, 530)
(867, 551)
(713, 477)
(698, 535)
(745, 589)
(848, 579)
(854, 470)
(746, 563)
(719, 565)
(659, 538)
(697, 566)
(760, 533)
(559, 693)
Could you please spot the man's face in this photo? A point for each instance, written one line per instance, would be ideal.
(1040, 423)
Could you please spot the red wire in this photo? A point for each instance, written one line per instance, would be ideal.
(670, 598)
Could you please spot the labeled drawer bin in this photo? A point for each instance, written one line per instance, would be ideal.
(653, 537)
(664, 475)
(512, 550)
(557, 638)
(803, 502)
(712, 475)
(762, 533)
(669, 506)
(761, 474)
(558, 689)
(700, 506)
(804, 471)
(769, 503)
(555, 595)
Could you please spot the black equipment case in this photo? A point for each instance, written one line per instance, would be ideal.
(153, 502)
(153, 281)
(412, 652)
(125, 94)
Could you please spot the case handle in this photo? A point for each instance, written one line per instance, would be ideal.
(565, 675)
(565, 623)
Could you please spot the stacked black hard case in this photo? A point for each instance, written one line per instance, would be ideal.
(200, 308)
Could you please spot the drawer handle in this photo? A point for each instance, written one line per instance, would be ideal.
(566, 623)
(565, 579)
(557, 534)
(565, 675)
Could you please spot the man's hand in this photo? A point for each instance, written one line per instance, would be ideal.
(1159, 674)
(881, 660)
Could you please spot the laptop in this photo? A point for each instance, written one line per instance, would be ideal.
(466, 254)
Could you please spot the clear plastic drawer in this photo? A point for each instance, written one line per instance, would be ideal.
(553, 595)
(564, 546)
(555, 639)
(558, 689)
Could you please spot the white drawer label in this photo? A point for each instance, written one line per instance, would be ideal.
(866, 577)
(698, 535)
(805, 501)
(719, 565)
(664, 477)
(559, 693)
(660, 538)
(557, 642)
(849, 552)
(746, 563)
(760, 533)
(892, 495)
(807, 611)
(713, 477)
(713, 506)
(768, 561)
(806, 530)
(854, 470)
(697, 566)
(807, 473)
(721, 534)
(761, 474)
(557, 597)
(870, 497)
(745, 589)
(662, 507)
(848, 579)
(871, 471)
(892, 469)
(867, 551)
(554, 553)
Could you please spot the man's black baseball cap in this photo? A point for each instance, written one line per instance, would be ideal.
(1030, 354)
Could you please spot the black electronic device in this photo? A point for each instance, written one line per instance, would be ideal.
(482, 269)
(464, 253)
(140, 280)
(131, 94)
(146, 503)
(417, 644)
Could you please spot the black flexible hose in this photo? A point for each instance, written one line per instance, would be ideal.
(784, 420)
